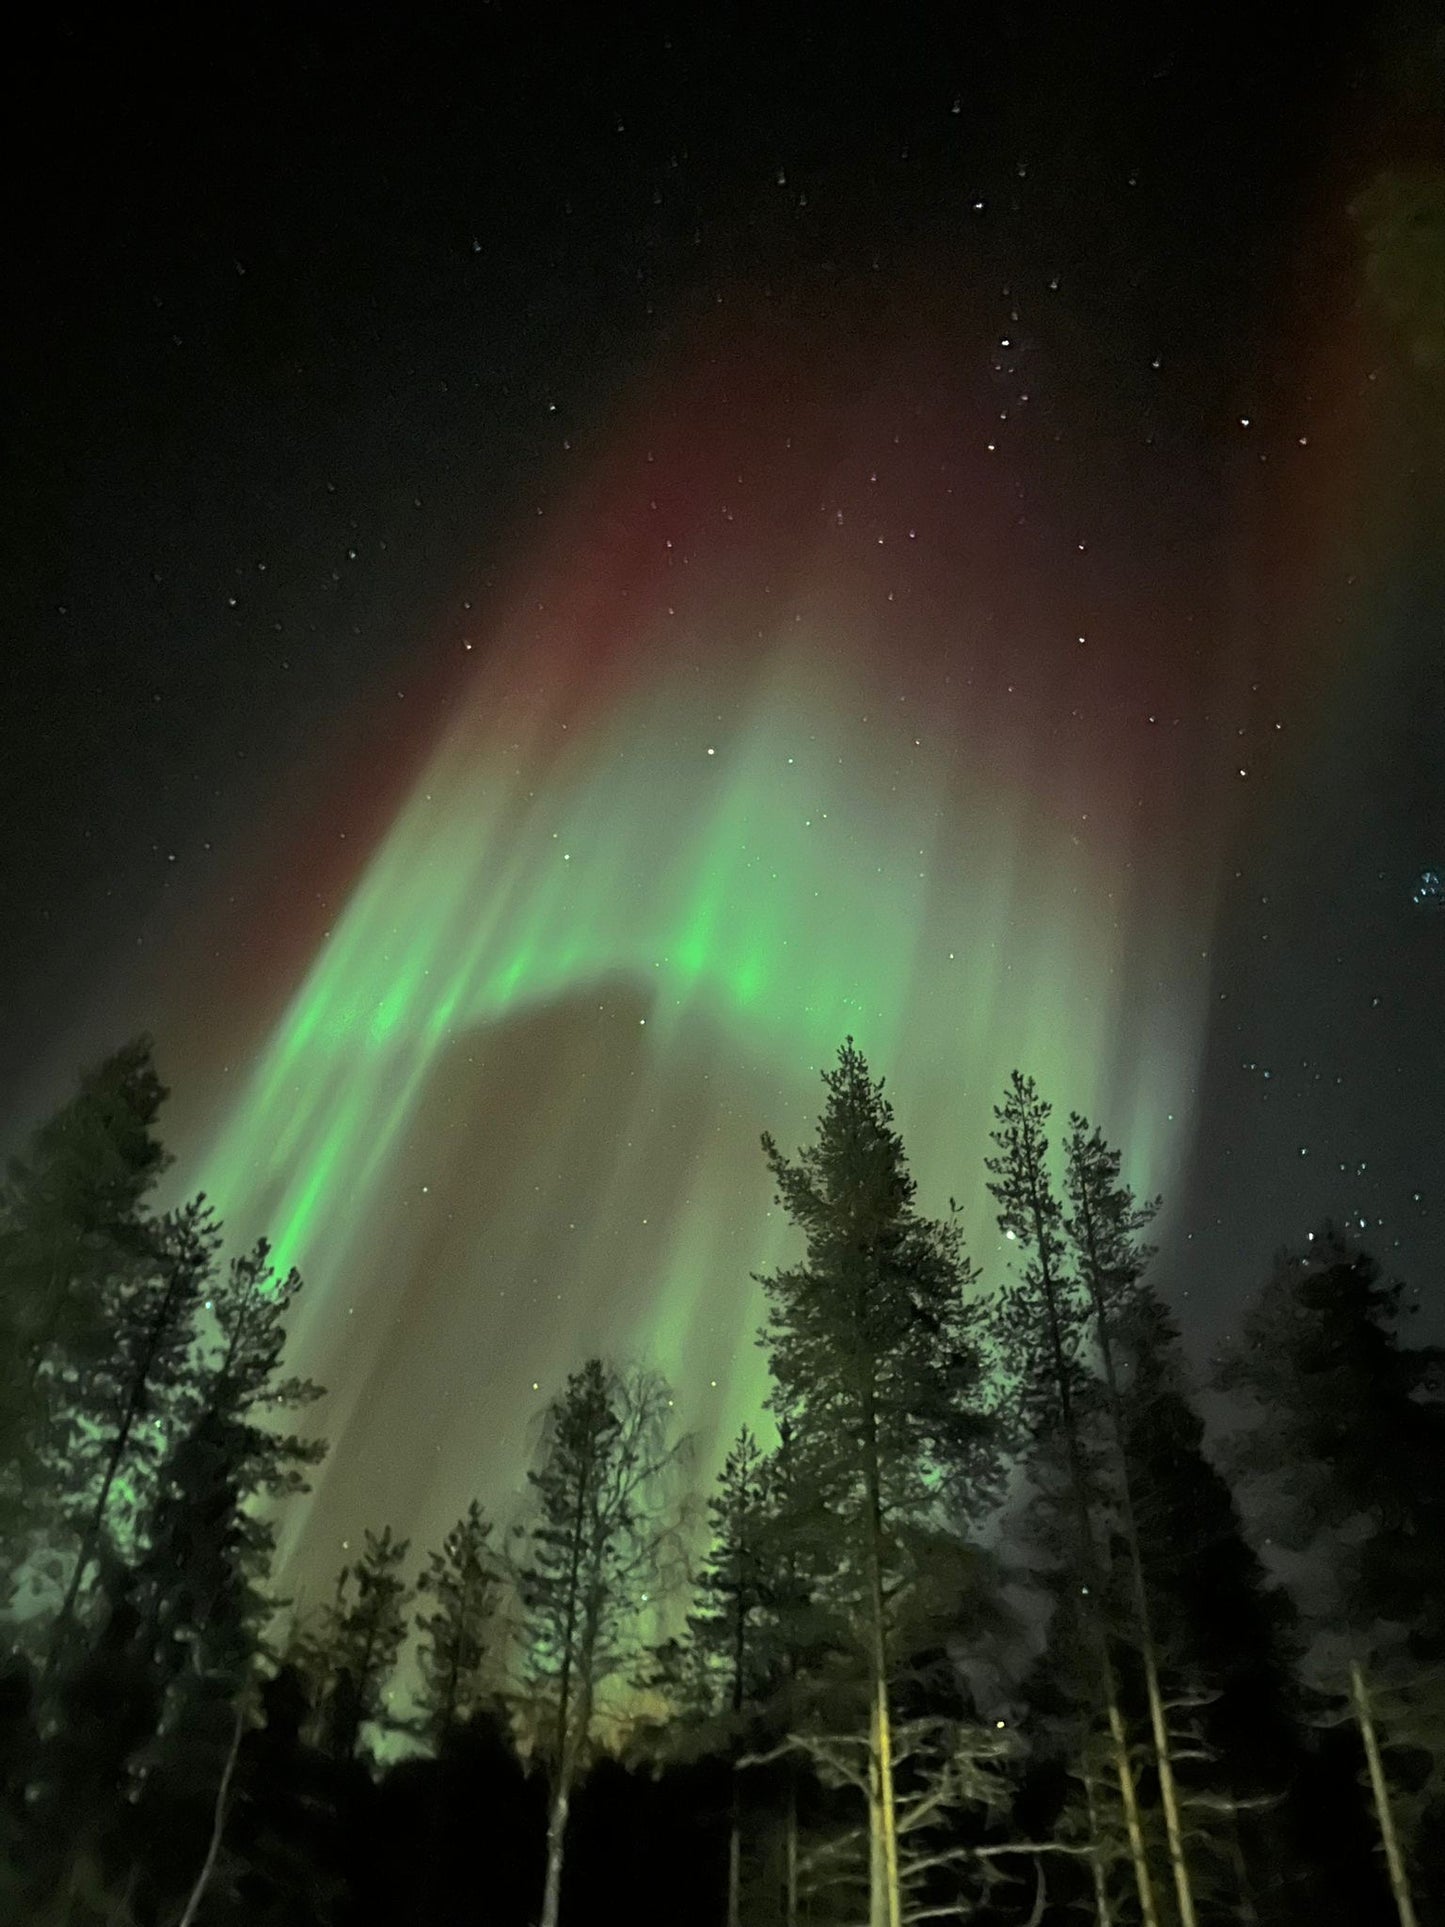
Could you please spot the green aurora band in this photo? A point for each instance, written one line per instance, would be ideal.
(627, 913)
(747, 901)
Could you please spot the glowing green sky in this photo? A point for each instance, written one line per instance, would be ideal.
(512, 1112)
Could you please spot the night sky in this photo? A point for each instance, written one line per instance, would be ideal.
(555, 569)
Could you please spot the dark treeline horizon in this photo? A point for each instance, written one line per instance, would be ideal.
(985, 1628)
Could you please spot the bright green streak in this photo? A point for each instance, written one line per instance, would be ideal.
(818, 875)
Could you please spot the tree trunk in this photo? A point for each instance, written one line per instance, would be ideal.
(885, 1902)
(735, 1812)
(1103, 1914)
(562, 1789)
(1093, 1569)
(1168, 1791)
(556, 1839)
(1159, 1725)
(1248, 1912)
(134, 1397)
(1129, 1793)
(218, 1826)
(91, 1535)
(1379, 1786)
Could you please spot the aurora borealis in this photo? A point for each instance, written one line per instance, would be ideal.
(736, 778)
(554, 600)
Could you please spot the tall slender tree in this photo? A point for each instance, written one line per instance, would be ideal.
(248, 1402)
(360, 1640)
(1044, 1323)
(201, 1578)
(1343, 1427)
(872, 1350)
(75, 1201)
(72, 1211)
(799, 1624)
(460, 1588)
(591, 1553)
(1201, 1599)
(132, 1403)
(731, 1593)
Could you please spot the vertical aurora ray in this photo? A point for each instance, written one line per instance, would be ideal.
(635, 900)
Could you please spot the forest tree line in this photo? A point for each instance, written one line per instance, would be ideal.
(978, 1626)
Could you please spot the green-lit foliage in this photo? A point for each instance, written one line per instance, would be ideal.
(128, 1405)
(71, 1217)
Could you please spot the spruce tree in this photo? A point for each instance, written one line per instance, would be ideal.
(202, 1580)
(106, 1701)
(460, 1586)
(74, 1202)
(1344, 1428)
(799, 1623)
(200, 1612)
(1043, 1322)
(731, 1585)
(731, 1590)
(1200, 1599)
(1223, 1632)
(244, 1396)
(360, 1640)
(872, 1352)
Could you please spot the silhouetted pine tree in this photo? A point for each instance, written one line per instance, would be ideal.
(106, 1704)
(872, 1351)
(1206, 1621)
(71, 1214)
(1225, 1635)
(359, 1641)
(287, 1825)
(202, 1580)
(1043, 1322)
(1345, 1430)
(460, 1585)
(724, 1624)
(797, 1628)
(129, 1405)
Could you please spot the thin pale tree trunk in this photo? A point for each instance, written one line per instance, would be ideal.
(1168, 1788)
(1379, 1787)
(1248, 1912)
(1158, 1721)
(885, 1899)
(218, 1825)
(1129, 1794)
(556, 1840)
(1093, 1568)
(566, 1755)
(567, 1766)
(1103, 1914)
